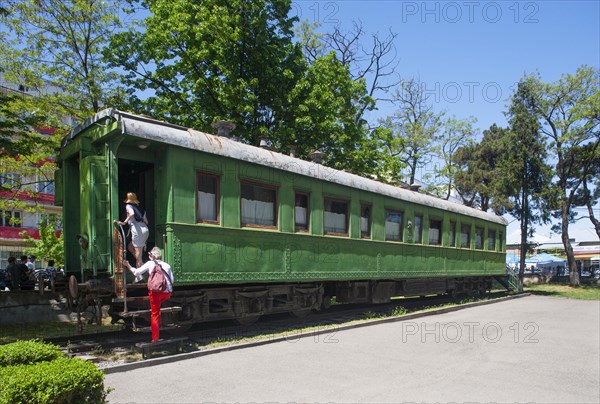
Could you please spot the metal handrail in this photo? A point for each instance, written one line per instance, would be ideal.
(124, 238)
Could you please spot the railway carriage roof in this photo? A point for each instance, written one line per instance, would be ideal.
(150, 129)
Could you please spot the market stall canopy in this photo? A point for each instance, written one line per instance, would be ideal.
(544, 258)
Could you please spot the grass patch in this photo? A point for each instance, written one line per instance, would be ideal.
(51, 329)
(581, 292)
(294, 333)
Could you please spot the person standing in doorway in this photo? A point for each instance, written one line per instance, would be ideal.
(138, 227)
(156, 297)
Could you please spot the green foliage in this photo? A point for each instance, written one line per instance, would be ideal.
(55, 50)
(25, 158)
(476, 164)
(409, 137)
(589, 194)
(16, 135)
(59, 381)
(49, 245)
(212, 60)
(456, 133)
(49, 55)
(569, 113)
(398, 311)
(51, 329)
(524, 176)
(371, 315)
(581, 292)
(327, 102)
(27, 353)
(237, 60)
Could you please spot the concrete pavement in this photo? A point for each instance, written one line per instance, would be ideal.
(534, 349)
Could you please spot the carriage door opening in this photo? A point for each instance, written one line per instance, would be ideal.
(138, 177)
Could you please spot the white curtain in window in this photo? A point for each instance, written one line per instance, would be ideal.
(258, 212)
(364, 225)
(392, 231)
(434, 235)
(208, 206)
(300, 213)
(335, 223)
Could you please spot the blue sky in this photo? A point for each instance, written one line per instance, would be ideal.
(470, 54)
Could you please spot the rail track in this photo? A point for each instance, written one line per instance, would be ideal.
(108, 349)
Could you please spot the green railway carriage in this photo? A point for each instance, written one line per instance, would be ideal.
(249, 231)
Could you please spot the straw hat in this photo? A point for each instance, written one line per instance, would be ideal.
(132, 198)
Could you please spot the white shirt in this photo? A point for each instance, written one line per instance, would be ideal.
(149, 266)
(131, 212)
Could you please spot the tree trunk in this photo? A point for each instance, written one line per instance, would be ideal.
(588, 203)
(413, 171)
(573, 274)
(524, 246)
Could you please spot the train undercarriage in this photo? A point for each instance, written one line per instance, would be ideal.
(247, 303)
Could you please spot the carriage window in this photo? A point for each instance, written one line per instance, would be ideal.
(393, 225)
(418, 229)
(335, 216)
(435, 232)
(479, 238)
(301, 212)
(491, 240)
(208, 198)
(501, 244)
(465, 236)
(365, 221)
(259, 204)
(452, 234)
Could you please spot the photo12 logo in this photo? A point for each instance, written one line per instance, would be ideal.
(322, 12)
(453, 12)
(470, 332)
(471, 91)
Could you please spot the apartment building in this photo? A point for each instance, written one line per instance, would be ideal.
(22, 211)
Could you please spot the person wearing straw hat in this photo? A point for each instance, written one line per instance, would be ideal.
(138, 227)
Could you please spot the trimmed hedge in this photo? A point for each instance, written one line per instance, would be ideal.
(28, 352)
(37, 372)
(59, 381)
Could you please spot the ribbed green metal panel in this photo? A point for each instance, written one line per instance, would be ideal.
(212, 254)
(95, 218)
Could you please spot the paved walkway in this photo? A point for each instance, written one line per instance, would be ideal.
(533, 349)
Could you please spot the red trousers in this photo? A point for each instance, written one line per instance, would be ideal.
(156, 299)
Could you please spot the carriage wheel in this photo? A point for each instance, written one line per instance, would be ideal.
(247, 320)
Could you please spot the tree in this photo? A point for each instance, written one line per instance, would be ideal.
(569, 114)
(456, 133)
(55, 50)
(586, 197)
(49, 245)
(50, 54)
(411, 134)
(476, 165)
(375, 62)
(522, 173)
(327, 103)
(216, 59)
(237, 60)
(25, 163)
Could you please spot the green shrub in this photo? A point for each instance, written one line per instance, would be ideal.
(28, 352)
(60, 381)
(398, 311)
